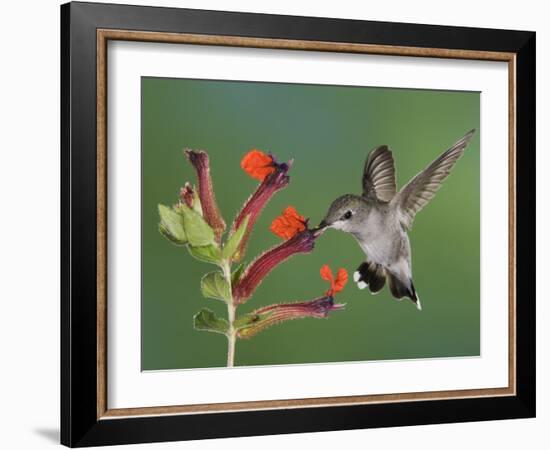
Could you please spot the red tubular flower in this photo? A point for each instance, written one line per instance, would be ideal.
(211, 213)
(288, 224)
(319, 308)
(258, 164)
(257, 270)
(187, 195)
(273, 181)
(336, 285)
(267, 316)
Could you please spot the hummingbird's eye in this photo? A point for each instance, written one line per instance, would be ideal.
(347, 215)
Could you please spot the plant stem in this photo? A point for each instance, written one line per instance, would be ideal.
(231, 312)
(231, 335)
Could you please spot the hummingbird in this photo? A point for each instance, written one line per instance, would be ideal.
(381, 217)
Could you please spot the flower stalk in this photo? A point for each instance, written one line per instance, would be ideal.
(195, 222)
(231, 313)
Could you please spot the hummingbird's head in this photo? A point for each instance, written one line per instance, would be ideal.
(346, 213)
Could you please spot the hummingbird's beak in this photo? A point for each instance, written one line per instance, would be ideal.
(321, 228)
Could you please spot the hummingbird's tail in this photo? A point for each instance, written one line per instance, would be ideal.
(375, 275)
(403, 288)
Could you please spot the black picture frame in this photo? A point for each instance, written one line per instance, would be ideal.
(80, 425)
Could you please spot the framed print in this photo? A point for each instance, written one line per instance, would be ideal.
(277, 224)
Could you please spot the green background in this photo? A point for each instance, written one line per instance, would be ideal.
(329, 131)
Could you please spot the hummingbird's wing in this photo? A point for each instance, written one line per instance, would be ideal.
(379, 175)
(422, 188)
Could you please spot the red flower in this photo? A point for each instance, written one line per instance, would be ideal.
(187, 195)
(272, 183)
(258, 164)
(288, 224)
(258, 269)
(336, 285)
(211, 213)
(267, 316)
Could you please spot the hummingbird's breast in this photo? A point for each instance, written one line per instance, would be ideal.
(383, 239)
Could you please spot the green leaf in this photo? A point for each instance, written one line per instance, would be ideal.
(197, 205)
(206, 320)
(198, 232)
(206, 253)
(214, 285)
(171, 225)
(235, 239)
(164, 231)
(237, 274)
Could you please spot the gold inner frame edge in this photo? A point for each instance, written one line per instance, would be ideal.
(103, 36)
